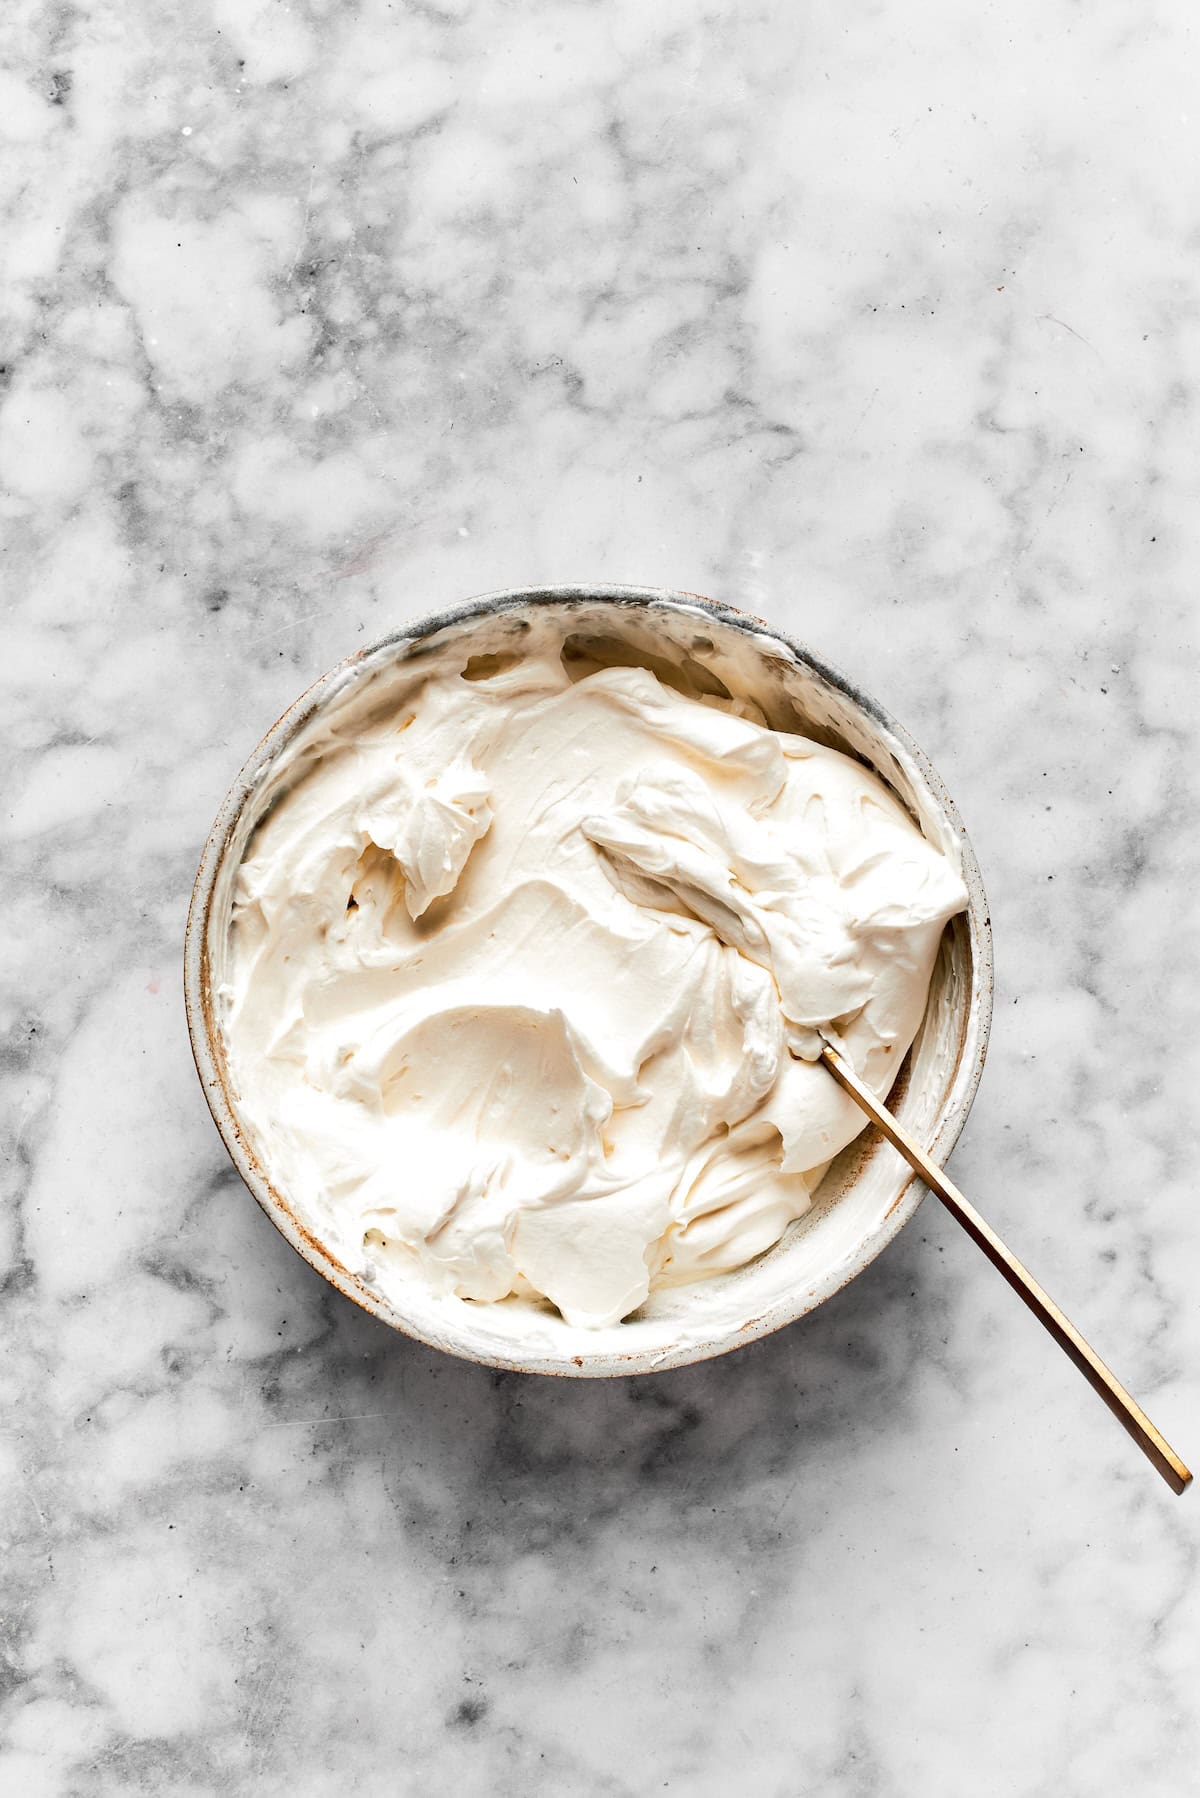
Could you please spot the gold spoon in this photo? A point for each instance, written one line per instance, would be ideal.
(1124, 1408)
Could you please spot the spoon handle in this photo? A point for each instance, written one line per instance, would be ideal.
(1123, 1407)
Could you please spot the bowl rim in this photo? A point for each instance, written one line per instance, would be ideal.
(204, 1030)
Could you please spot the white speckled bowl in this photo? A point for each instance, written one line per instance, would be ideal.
(868, 1193)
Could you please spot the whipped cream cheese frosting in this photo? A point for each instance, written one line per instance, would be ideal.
(529, 964)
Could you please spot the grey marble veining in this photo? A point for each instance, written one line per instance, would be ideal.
(881, 321)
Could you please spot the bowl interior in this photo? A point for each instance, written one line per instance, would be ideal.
(867, 1194)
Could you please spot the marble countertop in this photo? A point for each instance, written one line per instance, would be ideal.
(318, 317)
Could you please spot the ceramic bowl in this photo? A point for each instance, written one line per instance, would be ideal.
(868, 1194)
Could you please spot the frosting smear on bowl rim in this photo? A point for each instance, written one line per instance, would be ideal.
(529, 961)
